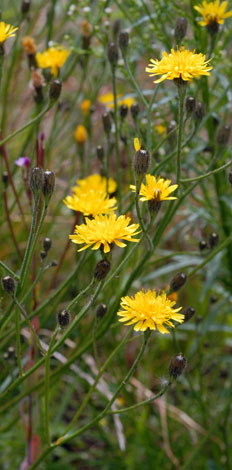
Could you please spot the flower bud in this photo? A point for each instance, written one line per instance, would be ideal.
(25, 6)
(80, 134)
(101, 311)
(5, 178)
(100, 153)
(177, 366)
(116, 28)
(106, 123)
(141, 162)
(8, 284)
(123, 40)
(11, 352)
(55, 89)
(213, 239)
(49, 184)
(180, 29)
(134, 109)
(63, 318)
(43, 255)
(223, 135)
(202, 245)
(101, 270)
(36, 181)
(54, 263)
(213, 299)
(188, 313)
(178, 281)
(190, 104)
(199, 112)
(123, 111)
(47, 243)
(112, 53)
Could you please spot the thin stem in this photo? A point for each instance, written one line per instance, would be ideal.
(9, 271)
(182, 92)
(156, 89)
(47, 385)
(142, 403)
(29, 243)
(24, 313)
(10, 225)
(82, 292)
(133, 81)
(118, 166)
(140, 218)
(95, 343)
(220, 247)
(213, 172)
(18, 342)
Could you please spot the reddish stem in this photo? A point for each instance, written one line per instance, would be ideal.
(10, 224)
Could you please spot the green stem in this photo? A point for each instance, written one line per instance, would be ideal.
(29, 243)
(9, 271)
(142, 403)
(118, 166)
(18, 342)
(213, 253)
(82, 292)
(24, 313)
(149, 110)
(181, 92)
(133, 81)
(213, 172)
(47, 386)
(141, 220)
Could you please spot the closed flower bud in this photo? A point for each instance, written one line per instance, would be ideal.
(116, 28)
(188, 313)
(43, 254)
(25, 6)
(55, 89)
(123, 111)
(80, 134)
(223, 135)
(101, 270)
(106, 120)
(63, 318)
(230, 177)
(202, 245)
(180, 29)
(199, 112)
(101, 311)
(141, 162)
(190, 104)
(5, 178)
(47, 243)
(178, 281)
(177, 366)
(112, 53)
(8, 284)
(123, 40)
(213, 239)
(100, 153)
(54, 263)
(49, 184)
(134, 109)
(36, 181)
(11, 352)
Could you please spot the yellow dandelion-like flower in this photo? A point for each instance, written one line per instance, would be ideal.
(108, 100)
(53, 58)
(156, 188)
(182, 64)
(91, 203)
(213, 12)
(80, 134)
(149, 310)
(160, 129)
(137, 144)
(95, 182)
(105, 230)
(85, 106)
(6, 31)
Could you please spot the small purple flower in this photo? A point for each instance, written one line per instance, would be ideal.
(23, 161)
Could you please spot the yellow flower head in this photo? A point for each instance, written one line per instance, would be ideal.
(213, 12)
(105, 230)
(156, 188)
(80, 134)
(149, 310)
(182, 64)
(53, 58)
(85, 105)
(108, 100)
(96, 182)
(6, 31)
(91, 203)
(160, 129)
(137, 144)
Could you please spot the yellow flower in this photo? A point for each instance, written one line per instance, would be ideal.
(156, 188)
(85, 105)
(182, 63)
(149, 310)
(137, 144)
(108, 100)
(160, 129)
(96, 182)
(213, 12)
(91, 203)
(53, 58)
(80, 134)
(6, 31)
(105, 230)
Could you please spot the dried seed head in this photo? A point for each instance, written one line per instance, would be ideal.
(63, 318)
(177, 366)
(37, 79)
(190, 104)
(123, 111)
(112, 53)
(47, 243)
(55, 89)
(5, 178)
(29, 46)
(223, 135)
(202, 245)
(49, 184)
(134, 109)
(8, 284)
(188, 313)
(106, 120)
(178, 281)
(213, 239)
(141, 162)
(180, 29)
(101, 270)
(123, 40)
(199, 112)
(36, 181)
(101, 311)
(100, 153)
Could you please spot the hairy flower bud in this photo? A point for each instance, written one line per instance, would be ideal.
(180, 29)
(100, 153)
(101, 270)
(106, 120)
(134, 109)
(123, 111)
(43, 254)
(190, 104)
(8, 284)
(5, 178)
(25, 6)
(116, 28)
(213, 239)
(199, 112)
(123, 40)
(63, 318)
(55, 89)
(101, 311)
(202, 245)
(188, 313)
(47, 243)
(223, 135)
(49, 184)
(112, 53)
(36, 181)
(178, 281)
(141, 162)
(177, 366)
(11, 352)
